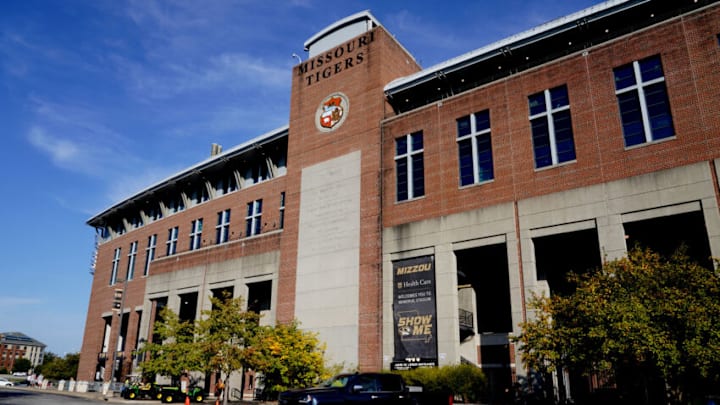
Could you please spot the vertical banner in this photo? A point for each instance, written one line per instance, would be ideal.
(414, 313)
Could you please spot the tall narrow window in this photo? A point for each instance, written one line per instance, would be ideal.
(172, 241)
(222, 230)
(196, 234)
(282, 210)
(475, 148)
(552, 134)
(643, 101)
(115, 265)
(131, 261)
(253, 219)
(410, 166)
(150, 252)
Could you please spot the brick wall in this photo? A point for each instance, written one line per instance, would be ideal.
(382, 61)
(690, 56)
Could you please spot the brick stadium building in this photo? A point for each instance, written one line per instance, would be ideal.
(407, 214)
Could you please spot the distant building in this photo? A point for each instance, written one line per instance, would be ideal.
(16, 345)
(407, 215)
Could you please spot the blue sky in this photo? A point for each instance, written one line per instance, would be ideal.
(101, 98)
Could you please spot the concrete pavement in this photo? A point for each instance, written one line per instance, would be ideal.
(98, 396)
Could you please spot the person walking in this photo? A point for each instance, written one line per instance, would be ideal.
(219, 389)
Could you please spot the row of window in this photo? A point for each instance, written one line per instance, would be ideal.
(220, 184)
(644, 111)
(253, 226)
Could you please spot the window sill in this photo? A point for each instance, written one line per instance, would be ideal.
(410, 200)
(467, 186)
(569, 162)
(654, 142)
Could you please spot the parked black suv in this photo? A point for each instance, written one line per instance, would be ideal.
(359, 388)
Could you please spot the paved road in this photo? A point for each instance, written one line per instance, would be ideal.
(35, 396)
(11, 396)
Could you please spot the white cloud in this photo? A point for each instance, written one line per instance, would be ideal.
(63, 152)
(75, 138)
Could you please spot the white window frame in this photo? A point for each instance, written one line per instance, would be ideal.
(254, 218)
(172, 241)
(639, 87)
(407, 156)
(222, 229)
(473, 136)
(196, 234)
(132, 255)
(548, 114)
(150, 252)
(115, 265)
(282, 211)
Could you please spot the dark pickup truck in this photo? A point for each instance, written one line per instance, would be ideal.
(359, 388)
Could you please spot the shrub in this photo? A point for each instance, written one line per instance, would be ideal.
(464, 380)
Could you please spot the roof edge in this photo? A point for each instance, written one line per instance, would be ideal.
(359, 16)
(407, 81)
(266, 136)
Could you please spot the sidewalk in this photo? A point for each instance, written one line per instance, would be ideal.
(117, 399)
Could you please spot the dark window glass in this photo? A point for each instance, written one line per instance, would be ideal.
(417, 141)
(537, 103)
(624, 77)
(418, 175)
(564, 136)
(541, 142)
(631, 118)
(661, 125)
(482, 120)
(463, 126)
(559, 97)
(466, 162)
(650, 69)
(402, 179)
(400, 146)
(485, 162)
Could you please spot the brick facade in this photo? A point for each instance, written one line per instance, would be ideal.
(606, 186)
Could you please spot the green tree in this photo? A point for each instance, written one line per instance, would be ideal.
(176, 350)
(59, 368)
(49, 357)
(287, 357)
(21, 365)
(637, 317)
(223, 335)
(465, 380)
(227, 339)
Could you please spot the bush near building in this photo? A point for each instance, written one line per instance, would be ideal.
(645, 326)
(466, 381)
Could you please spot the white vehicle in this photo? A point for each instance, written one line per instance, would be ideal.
(5, 383)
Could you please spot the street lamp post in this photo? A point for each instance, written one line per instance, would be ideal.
(118, 304)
